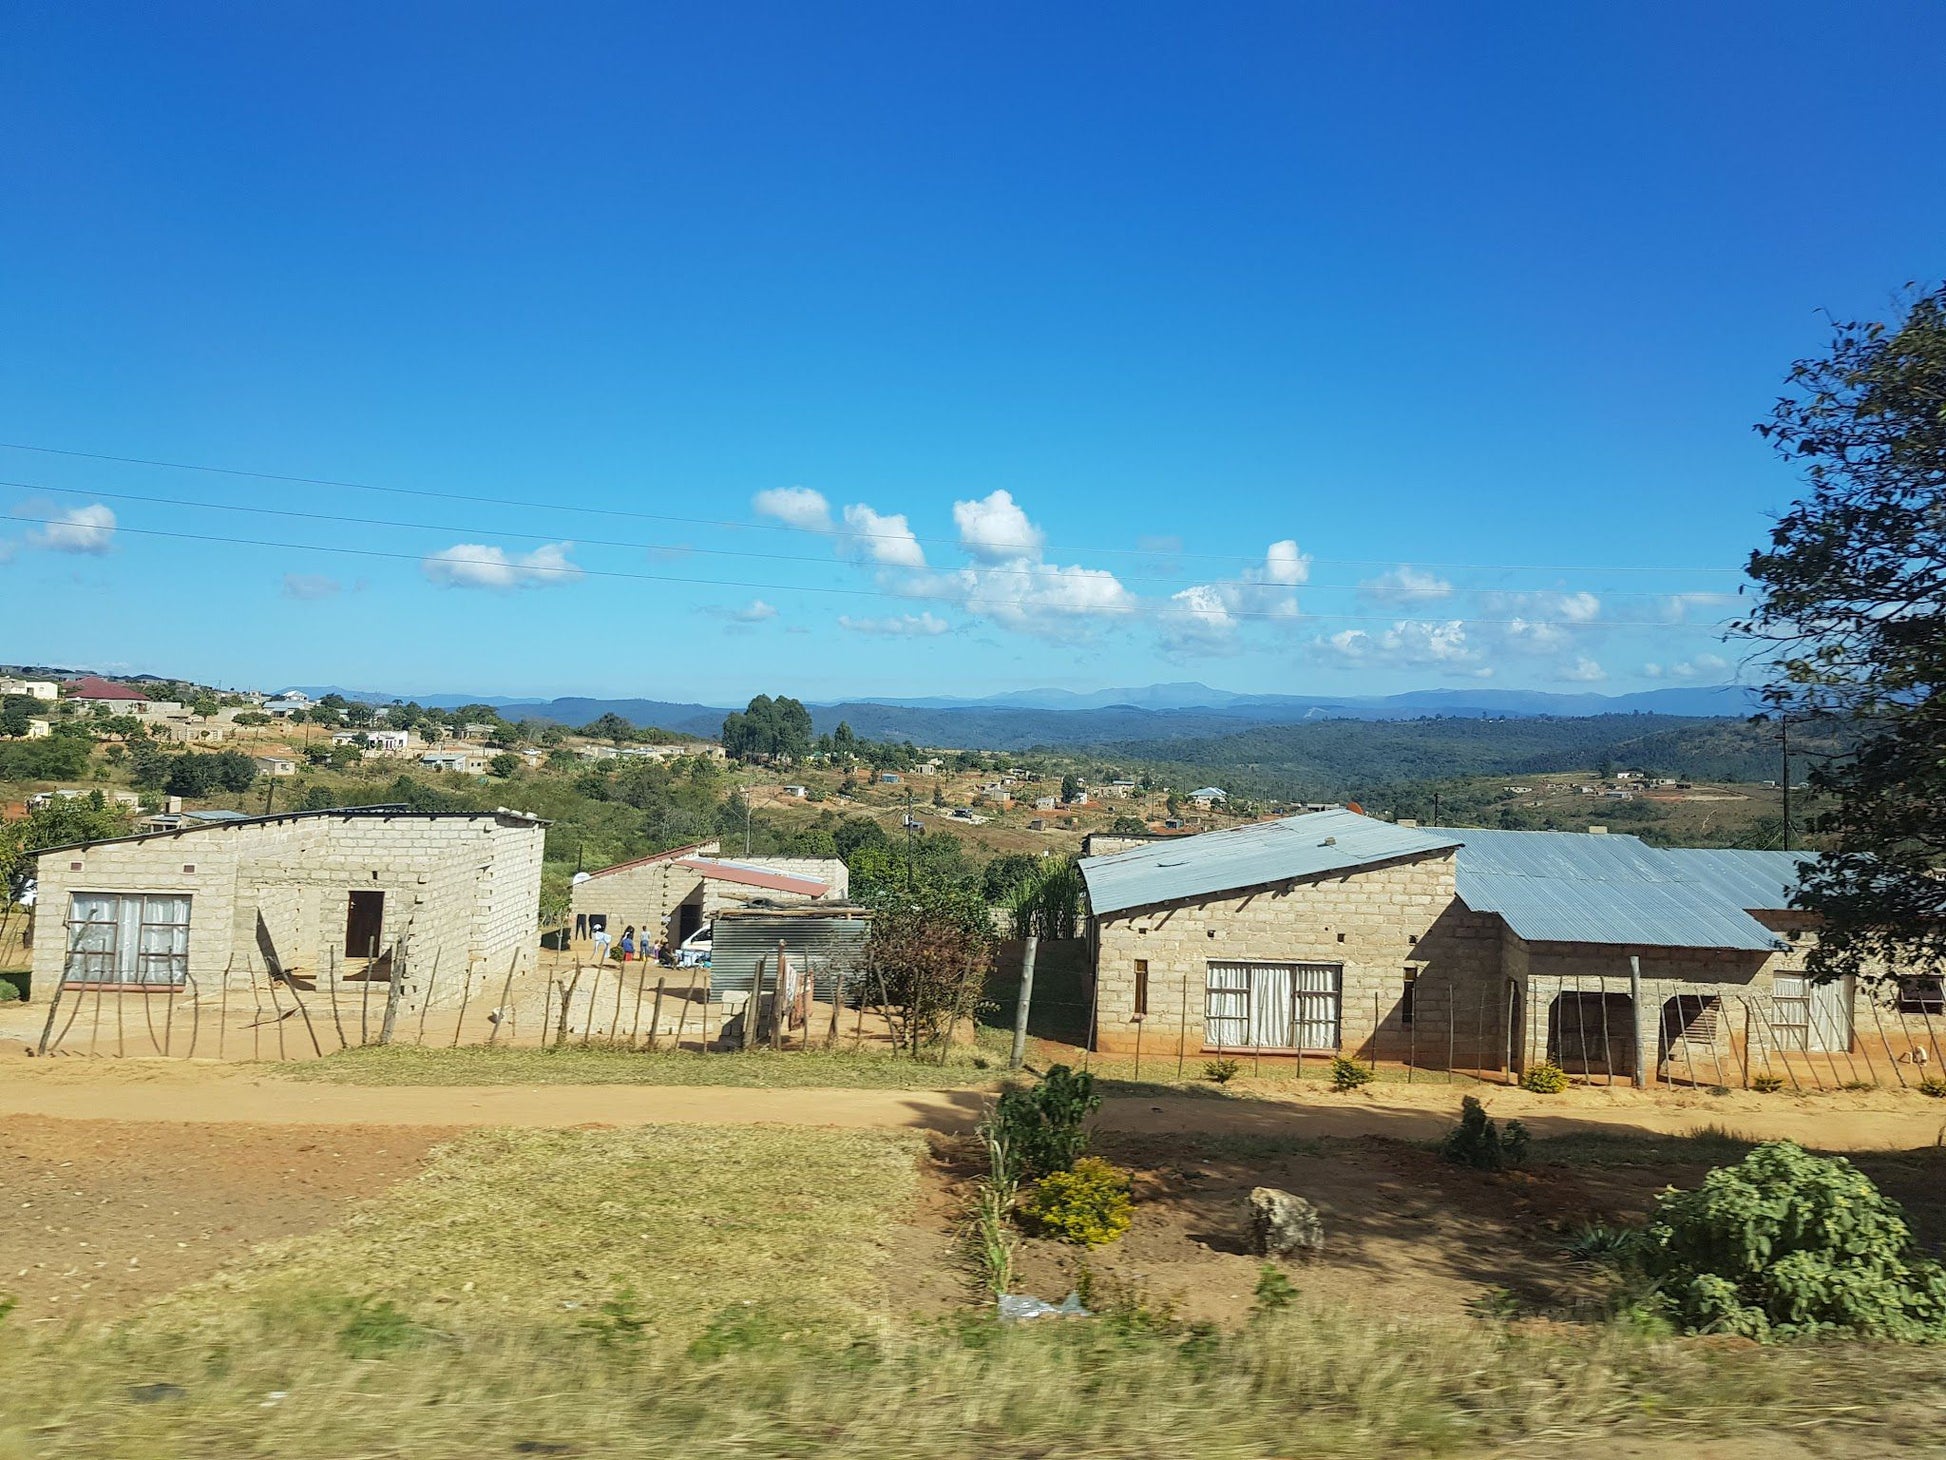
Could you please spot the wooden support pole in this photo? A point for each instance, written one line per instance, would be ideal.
(777, 1004)
(655, 1017)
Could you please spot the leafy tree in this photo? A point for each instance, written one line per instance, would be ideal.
(926, 961)
(52, 758)
(205, 705)
(610, 727)
(1004, 873)
(1070, 786)
(1128, 826)
(15, 712)
(505, 765)
(768, 729)
(1852, 610)
(193, 774)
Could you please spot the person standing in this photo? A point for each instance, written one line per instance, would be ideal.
(628, 942)
(601, 940)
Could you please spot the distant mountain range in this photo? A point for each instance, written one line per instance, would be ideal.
(1154, 712)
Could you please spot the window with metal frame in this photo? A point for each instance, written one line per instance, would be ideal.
(128, 938)
(1921, 993)
(1250, 1005)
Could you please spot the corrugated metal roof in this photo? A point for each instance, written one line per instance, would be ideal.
(1752, 880)
(1571, 887)
(748, 876)
(1251, 856)
(829, 942)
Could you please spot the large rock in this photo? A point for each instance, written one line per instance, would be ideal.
(1284, 1225)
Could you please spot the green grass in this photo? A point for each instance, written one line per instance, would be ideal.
(717, 1293)
(573, 1064)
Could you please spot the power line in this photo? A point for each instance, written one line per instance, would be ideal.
(850, 533)
(570, 571)
(1028, 571)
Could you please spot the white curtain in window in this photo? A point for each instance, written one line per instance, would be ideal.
(1272, 1005)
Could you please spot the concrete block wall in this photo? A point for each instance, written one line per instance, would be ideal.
(465, 888)
(643, 893)
(1377, 923)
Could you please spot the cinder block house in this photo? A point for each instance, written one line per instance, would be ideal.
(1335, 932)
(673, 894)
(446, 901)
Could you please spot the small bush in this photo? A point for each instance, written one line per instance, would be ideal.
(1933, 1085)
(1786, 1244)
(374, 1328)
(1603, 1245)
(1766, 1083)
(1545, 1078)
(1043, 1128)
(1222, 1071)
(1089, 1205)
(1348, 1074)
(1274, 1290)
(617, 1321)
(10, 991)
(1477, 1141)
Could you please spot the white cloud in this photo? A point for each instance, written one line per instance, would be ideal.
(476, 565)
(1406, 584)
(756, 611)
(1700, 666)
(881, 537)
(1548, 605)
(1206, 616)
(1533, 637)
(995, 530)
(794, 506)
(919, 625)
(1410, 644)
(1582, 671)
(1677, 607)
(309, 586)
(89, 529)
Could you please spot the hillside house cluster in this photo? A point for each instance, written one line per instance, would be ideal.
(1335, 932)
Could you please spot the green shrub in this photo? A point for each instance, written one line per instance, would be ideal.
(1043, 1128)
(1274, 1290)
(1348, 1074)
(1786, 1244)
(1222, 1071)
(376, 1327)
(1545, 1078)
(1089, 1205)
(1933, 1085)
(1766, 1083)
(1477, 1142)
(10, 991)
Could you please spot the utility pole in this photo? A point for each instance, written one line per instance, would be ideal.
(909, 828)
(745, 793)
(1784, 732)
(1435, 809)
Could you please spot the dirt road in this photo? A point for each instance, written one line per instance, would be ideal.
(229, 1094)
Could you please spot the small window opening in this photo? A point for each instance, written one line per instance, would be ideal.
(1141, 986)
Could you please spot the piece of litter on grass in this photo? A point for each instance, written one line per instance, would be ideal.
(1022, 1308)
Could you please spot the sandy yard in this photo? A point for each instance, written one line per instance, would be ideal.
(108, 1214)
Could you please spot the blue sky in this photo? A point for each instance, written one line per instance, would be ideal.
(891, 349)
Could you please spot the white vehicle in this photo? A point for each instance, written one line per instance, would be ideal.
(695, 949)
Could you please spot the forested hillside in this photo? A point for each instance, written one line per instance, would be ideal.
(1335, 759)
